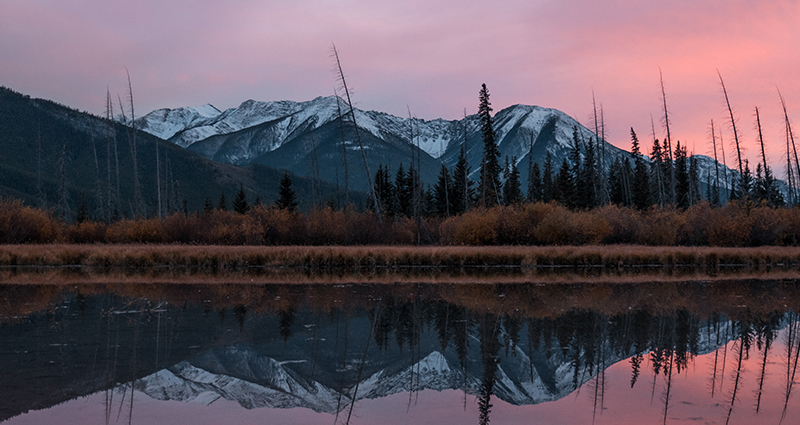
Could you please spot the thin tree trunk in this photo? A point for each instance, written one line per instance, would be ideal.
(671, 165)
(733, 125)
(358, 136)
(716, 162)
(344, 152)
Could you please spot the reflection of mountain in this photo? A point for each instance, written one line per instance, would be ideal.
(253, 379)
(281, 351)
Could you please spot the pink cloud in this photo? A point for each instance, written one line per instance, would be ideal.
(429, 56)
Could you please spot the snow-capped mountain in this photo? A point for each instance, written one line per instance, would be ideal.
(287, 134)
(253, 379)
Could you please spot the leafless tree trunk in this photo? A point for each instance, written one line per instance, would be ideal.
(358, 136)
(790, 137)
(733, 125)
(344, 151)
(670, 164)
(716, 162)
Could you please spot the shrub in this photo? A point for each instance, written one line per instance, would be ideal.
(21, 224)
(477, 227)
(86, 232)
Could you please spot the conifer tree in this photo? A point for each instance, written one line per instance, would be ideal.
(208, 206)
(512, 190)
(489, 184)
(222, 205)
(682, 183)
(548, 184)
(441, 193)
(565, 187)
(385, 190)
(694, 181)
(240, 204)
(535, 188)
(287, 200)
(641, 179)
(577, 181)
(463, 187)
(403, 192)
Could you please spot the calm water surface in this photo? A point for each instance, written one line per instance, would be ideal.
(701, 352)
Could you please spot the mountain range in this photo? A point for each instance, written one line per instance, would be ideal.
(205, 152)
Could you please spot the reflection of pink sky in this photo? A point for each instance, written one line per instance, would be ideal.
(690, 403)
(431, 56)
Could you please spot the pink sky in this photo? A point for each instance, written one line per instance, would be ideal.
(431, 56)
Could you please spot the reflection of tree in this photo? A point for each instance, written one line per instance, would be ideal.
(488, 331)
(792, 355)
(285, 324)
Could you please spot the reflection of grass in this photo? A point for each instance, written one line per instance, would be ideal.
(225, 258)
(731, 298)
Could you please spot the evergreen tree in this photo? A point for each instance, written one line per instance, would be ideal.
(682, 182)
(83, 211)
(287, 200)
(575, 171)
(208, 206)
(240, 204)
(619, 178)
(222, 205)
(694, 181)
(384, 189)
(489, 184)
(512, 190)
(641, 177)
(463, 187)
(548, 184)
(565, 187)
(442, 191)
(587, 190)
(535, 193)
(657, 176)
(402, 192)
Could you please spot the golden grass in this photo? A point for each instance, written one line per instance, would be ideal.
(321, 264)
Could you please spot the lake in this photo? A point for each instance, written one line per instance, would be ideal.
(704, 351)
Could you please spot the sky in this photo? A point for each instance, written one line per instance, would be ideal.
(429, 57)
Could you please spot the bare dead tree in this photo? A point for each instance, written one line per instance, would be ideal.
(98, 187)
(158, 181)
(352, 113)
(733, 125)
(42, 199)
(670, 164)
(344, 150)
(790, 137)
(716, 162)
(660, 188)
(138, 209)
(767, 172)
(63, 193)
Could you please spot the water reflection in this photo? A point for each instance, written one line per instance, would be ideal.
(341, 352)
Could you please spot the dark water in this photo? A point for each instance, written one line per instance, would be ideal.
(700, 352)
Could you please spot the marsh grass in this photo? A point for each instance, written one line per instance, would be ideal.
(304, 264)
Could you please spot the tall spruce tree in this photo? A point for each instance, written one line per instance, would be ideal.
(512, 189)
(441, 193)
(535, 188)
(657, 176)
(565, 186)
(548, 182)
(489, 184)
(287, 200)
(641, 179)
(682, 181)
(463, 187)
(240, 204)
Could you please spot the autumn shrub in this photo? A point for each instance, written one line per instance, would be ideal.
(659, 226)
(118, 232)
(477, 227)
(362, 228)
(278, 226)
(326, 227)
(623, 223)
(447, 230)
(402, 231)
(86, 232)
(145, 231)
(767, 225)
(22, 224)
(509, 225)
(533, 214)
(789, 233)
(730, 225)
(182, 228)
(232, 228)
(693, 230)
